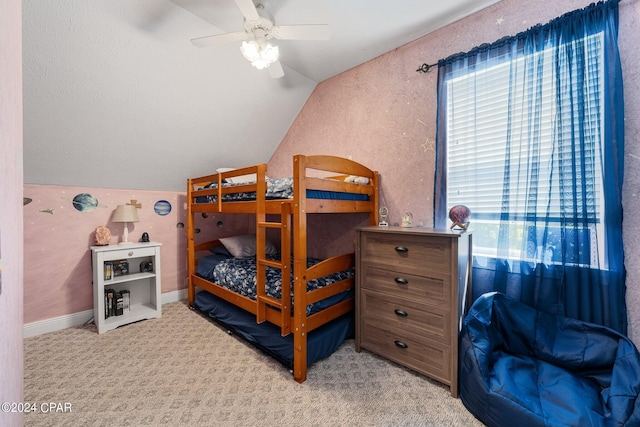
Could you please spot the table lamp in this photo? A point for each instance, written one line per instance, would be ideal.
(125, 213)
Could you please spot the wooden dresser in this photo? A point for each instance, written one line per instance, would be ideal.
(412, 289)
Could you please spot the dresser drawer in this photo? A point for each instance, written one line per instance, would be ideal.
(391, 313)
(434, 288)
(123, 253)
(423, 355)
(411, 253)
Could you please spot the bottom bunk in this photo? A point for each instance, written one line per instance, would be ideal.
(321, 342)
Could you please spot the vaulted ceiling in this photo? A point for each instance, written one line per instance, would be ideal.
(116, 95)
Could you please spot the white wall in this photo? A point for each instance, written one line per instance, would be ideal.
(11, 246)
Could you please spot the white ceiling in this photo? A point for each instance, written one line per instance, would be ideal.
(115, 95)
(360, 29)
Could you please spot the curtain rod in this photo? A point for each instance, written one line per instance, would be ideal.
(425, 68)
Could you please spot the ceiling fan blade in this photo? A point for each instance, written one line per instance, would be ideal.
(248, 10)
(275, 70)
(302, 32)
(219, 39)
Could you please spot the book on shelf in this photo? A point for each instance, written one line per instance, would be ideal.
(109, 308)
(108, 270)
(120, 267)
(116, 303)
(126, 301)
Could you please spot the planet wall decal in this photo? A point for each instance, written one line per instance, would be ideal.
(85, 202)
(162, 207)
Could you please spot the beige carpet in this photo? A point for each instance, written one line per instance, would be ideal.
(184, 370)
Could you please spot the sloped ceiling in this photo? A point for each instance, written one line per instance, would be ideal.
(115, 94)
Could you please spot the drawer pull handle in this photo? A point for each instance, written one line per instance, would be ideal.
(130, 253)
(401, 249)
(401, 281)
(400, 344)
(400, 313)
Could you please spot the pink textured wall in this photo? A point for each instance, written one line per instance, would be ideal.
(382, 114)
(57, 236)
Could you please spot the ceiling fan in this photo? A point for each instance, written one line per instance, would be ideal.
(259, 28)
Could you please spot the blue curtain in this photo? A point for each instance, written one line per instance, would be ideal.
(571, 259)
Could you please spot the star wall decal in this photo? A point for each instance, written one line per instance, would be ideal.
(500, 20)
(428, 145)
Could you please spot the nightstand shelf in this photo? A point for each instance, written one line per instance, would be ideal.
(144, 287)
(129, 278)
(138, 312)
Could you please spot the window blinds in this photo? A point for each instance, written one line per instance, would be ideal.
(504, 125)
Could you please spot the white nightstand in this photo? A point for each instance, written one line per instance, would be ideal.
(142, 281)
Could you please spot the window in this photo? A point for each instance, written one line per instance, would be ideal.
(512, 155)
(530, 136)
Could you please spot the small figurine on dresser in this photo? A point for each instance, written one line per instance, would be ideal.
(383, 213)
(407, 220)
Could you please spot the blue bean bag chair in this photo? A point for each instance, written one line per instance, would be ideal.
(523, 367)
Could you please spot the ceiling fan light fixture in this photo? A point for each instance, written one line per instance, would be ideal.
(270, 53)
(261, 55)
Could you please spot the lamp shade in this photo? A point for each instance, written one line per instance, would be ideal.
(125, 213)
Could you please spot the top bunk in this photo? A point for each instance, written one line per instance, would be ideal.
(320, 184)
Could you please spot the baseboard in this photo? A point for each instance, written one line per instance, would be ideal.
(56, 323)
(175, 296)
(80, 318)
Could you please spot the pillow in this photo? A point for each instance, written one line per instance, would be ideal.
(238, 179)
(221, 170)
(244, 246)
(220, 250)
(357, 179)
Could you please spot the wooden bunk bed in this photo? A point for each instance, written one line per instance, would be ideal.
(313, 176)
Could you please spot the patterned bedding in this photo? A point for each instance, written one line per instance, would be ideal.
(239, 275)
(278, 188)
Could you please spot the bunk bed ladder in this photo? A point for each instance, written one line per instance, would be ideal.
(284, 264)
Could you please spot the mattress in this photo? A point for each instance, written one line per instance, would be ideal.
(321, 342)
(278, 188)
